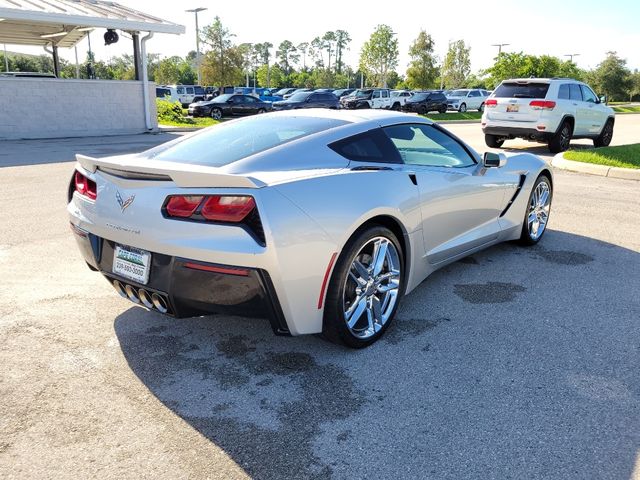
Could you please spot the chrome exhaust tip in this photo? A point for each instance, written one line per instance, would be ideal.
(132, 294)
(145, 298)
(160, 303)
(119, 288)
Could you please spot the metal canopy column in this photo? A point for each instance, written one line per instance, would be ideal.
(137, 60)
(56, 61)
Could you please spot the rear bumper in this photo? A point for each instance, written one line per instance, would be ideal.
(192, 288)
(516, 132)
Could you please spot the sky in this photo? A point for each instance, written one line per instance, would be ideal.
(589, 28)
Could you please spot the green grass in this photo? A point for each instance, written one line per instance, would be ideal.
(625, 156)
(190, 122)
(632, 109)
(445, 117)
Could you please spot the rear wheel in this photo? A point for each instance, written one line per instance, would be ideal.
(562, 138)
(462, 108)
(537, 214)
(365, 288)
(604, 139)
(493, 141)
(216, 113)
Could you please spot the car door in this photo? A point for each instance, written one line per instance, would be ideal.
(580, 109)
(248, 105)
(474, 100)
(376, 99)
(385, 99)
(460, 199)
(595, 114)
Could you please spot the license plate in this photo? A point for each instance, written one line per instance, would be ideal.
(132, 263)
(512, 108)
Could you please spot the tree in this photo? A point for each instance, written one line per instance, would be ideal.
(287, 54)
(303, 48)
(379, 54)
(329, 39)
(457, 64)
(222, 65)
(168, 72)
(634, 81)
(612, 77)
(263, 54)
(422, 71)
(270, 76)
(318, 46)
(342, 43)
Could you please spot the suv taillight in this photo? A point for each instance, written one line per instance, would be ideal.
(213, 208)
(491, 103)
(542, 104)
(85, 186)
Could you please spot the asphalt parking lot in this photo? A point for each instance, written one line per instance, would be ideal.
(513, 363)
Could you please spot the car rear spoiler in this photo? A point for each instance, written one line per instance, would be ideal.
(182, 174)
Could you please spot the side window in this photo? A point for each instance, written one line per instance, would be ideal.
(376, 94)
(563, 92)
(474, 93)
(588, 94)
(385, 94)
(190, 90)
(372, 146)
(180, 90)
(426, 145)
(314, 98)
(249, 99)
(574, 92)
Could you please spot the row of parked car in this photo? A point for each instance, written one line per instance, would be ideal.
(248, 101)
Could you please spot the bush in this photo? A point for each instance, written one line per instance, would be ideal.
(169, 111)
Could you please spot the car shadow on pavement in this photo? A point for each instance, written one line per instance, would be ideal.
(512, 363)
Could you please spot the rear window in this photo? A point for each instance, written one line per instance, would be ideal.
(233, 141)
(521, 90)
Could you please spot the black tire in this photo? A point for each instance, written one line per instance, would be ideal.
(261, 110)
(363, 105)
(443, 109)
(562, 138)
(216, 113)
(604, 139)
(526, 237)
(343, 288)
(422, 110)
(493, 141)
(462, 108)
(481, 108)
(396, 107)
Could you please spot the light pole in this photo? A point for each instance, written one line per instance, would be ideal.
(195, 11)
(500, 45)
(571, 55)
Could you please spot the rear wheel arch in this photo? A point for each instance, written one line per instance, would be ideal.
(570, 119)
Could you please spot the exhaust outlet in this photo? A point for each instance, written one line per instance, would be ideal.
(160, 303)
(132, 294)
(145, 298)
(119, 288)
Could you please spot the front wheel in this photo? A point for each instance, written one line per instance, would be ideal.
(422, 110)
(463, 108)
(538, 210)
(396, 107)
(261, 110)
(365, 288)
(481, 108)
(604, 139)
(443, 109)
(216, 113)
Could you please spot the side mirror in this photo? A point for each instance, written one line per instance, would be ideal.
(494, 160)
(603, 99)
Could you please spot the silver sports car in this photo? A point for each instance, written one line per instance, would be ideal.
(319, 220)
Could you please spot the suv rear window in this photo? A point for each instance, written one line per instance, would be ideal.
(521, 90)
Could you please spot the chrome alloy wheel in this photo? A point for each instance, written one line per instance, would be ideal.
(371, 289)
(539, 207)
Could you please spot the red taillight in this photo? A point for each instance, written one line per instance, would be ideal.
(85, 186)
(219, 208)
(491, 103)
(542, 104)
(183, 206)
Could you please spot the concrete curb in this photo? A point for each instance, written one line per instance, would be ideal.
(594, 169)
(170, 128)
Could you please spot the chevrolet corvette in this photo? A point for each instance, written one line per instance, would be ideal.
(319, 220)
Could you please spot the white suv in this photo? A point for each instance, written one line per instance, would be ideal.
(466, 99)
(547, 110)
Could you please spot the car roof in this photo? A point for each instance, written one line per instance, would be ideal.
(355, 116)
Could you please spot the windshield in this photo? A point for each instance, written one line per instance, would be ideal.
(362, 93)
(299, 97)
(222, 98)
(418, 97)
(458, 93)
(229, 142)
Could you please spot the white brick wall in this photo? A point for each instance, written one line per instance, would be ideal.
(53, 108)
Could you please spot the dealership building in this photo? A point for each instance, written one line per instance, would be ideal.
(32, 107)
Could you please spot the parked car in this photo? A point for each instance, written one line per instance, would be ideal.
(399, 98)
(185, 94)
(163, 92)
(284, 91)
(308, 100)
(466, 99)
(343, 92)
(229, 105)
(425, 102)
(367, 98)
(319, 221)
(548, 110)
(263, 94)
(297, 90)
